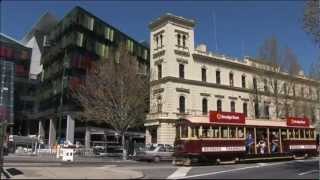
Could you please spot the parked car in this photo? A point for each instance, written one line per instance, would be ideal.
(155, 153)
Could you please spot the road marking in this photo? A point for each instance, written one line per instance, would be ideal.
(237, 169)
(262, 164)
(218, 172)
(180, 172)
(307, 172)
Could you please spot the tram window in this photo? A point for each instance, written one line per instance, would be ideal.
(240, 132)
(215, 132)
(311, 134)
(224, 132)
(296, 133)
(205, 131)
(232, 132)
(307, 133)
(284, 134)
(210, 132)
(195, 131)
(291, 133)
(302, 133)
(184, 131)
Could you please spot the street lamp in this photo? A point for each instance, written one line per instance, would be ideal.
(65, 64)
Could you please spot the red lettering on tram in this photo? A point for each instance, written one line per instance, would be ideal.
(226, 117)
(301, 122)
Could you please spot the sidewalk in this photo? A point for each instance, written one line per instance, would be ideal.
(12, 158)
(104, 172)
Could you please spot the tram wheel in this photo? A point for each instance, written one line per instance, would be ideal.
(218, 161)
(156, 159)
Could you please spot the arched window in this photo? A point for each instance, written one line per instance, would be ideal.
(219, 106)
(204, 106)
(265, 82)
(256, 109)
(157, 41)
(184, 40)
(233, 106)
(204, 74)
(231, 78)
(179, 40)
(159, 71)
(266, 111)
(161, 37)
(159, 104)
(254, 83)
(218, 77)
(181, 71)
(245, 109)
(243, 80)
(182, 104)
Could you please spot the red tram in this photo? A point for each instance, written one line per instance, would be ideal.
(226, 136)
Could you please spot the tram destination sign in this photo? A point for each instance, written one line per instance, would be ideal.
(226, 117)
(300, 122)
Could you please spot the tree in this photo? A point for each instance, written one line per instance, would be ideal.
(270, 54)
(292, 67)
(314, 73)
(281, 90)
(115, 92)
(311, 19)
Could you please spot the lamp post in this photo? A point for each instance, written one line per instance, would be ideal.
(65, 64)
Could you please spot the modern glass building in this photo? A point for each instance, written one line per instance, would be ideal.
(6, 91)
(16, 102)
(72, 46)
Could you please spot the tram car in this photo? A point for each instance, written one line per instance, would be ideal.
(229, 137)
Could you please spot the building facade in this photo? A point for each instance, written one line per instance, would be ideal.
(73, 45)
(189, 82)
(16, 87)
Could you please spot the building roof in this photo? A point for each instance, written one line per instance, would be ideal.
(10, 40)
(171, 17)
(44, 24)
(107, 24)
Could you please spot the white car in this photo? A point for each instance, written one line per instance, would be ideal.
(156, 154)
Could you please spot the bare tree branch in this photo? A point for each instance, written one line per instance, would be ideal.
(311, 20)
(114, 92)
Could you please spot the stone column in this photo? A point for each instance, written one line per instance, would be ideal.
(41, 131)
(87, 138)
(148, 136)
(70, 129)
(52, 132)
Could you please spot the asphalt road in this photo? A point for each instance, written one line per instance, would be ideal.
(297, 169)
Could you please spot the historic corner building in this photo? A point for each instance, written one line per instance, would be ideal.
(189, 82)
(71, 48)
(16, 100)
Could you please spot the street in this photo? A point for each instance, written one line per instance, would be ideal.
(296, 169)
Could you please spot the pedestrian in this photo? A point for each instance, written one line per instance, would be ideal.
(261, 145)
(249, 143)
(275, 142)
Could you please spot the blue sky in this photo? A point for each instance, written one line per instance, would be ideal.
(241, 26)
